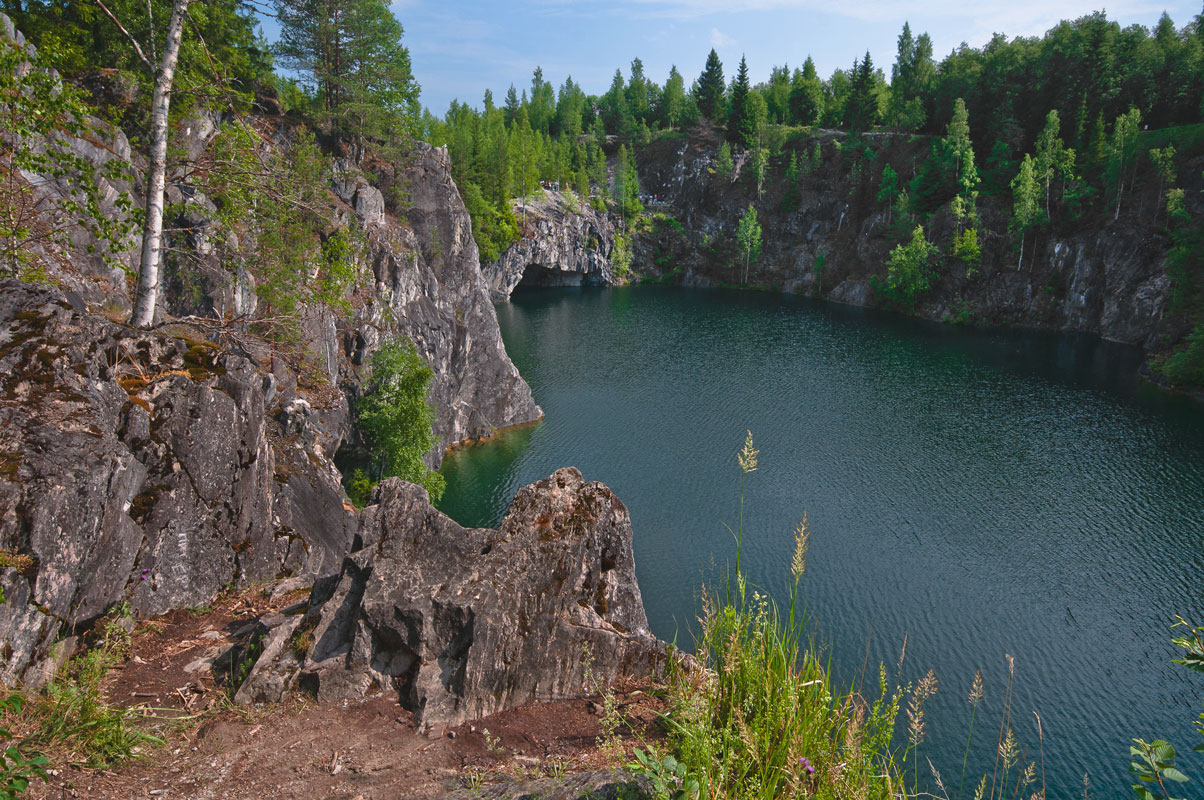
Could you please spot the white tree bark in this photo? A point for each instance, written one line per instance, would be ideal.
(156, 180)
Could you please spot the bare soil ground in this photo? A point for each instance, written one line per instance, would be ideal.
(370, 750)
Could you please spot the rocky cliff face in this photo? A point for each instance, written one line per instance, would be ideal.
(151, 468)
(564, 243)
(157, 467)
(828, 236)
(429, 288)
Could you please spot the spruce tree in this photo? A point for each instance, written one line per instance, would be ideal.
(741, 127)
(710, 88)
(861, 110)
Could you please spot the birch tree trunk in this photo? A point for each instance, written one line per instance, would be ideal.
(156, 180)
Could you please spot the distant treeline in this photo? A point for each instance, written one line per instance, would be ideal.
(1090, 71)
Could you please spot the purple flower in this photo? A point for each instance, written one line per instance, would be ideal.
(145, 572)
(806, 765)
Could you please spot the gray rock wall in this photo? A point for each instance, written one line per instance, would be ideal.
(145, 467)
(1101, 276)
(157, 468)
(564, 243)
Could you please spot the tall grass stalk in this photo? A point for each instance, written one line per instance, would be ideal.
(975, 697)
(759, 717)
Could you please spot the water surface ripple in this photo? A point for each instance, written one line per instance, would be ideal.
(981, 494)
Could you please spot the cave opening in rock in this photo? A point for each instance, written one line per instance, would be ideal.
(537, 275)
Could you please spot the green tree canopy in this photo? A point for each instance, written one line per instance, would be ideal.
(349, 52)
(748, 237)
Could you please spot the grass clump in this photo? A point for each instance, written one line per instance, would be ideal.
(758, 717)
(71, 716)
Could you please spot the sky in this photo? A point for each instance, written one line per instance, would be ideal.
(460, 48)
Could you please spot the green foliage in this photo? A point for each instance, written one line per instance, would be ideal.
(18, 768)
(763, 720)
(394, 418)
(1122, 152)
(274, 201)
(909, 270)
(723, 162)
(1024, 202)
(669, 778)
(758, 160)
(40, 114)
(965, 247)
(493, 224)
(626, 190)
(1153, 763)
(709, 89)
(71, 713)
(359, 488)
(748, 237)
(349, 54)
(1185, 367)
(748, 112)
(222, 58)
(620, 255)
(861, 107)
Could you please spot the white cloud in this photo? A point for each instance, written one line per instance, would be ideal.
(720, 39)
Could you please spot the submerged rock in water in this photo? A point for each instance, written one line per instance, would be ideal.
(463, 623)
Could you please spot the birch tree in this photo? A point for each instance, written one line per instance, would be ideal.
(150, 260)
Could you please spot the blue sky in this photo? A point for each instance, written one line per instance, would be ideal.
(461, 48)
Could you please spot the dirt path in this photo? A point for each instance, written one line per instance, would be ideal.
(369, 750)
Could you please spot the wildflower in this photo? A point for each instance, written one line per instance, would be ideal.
(806, 765)
(145, 572)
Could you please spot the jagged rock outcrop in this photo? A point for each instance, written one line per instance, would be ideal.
(463, 623)
(565, 242)
(147, 467)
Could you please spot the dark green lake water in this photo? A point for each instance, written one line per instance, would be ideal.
(981, 494)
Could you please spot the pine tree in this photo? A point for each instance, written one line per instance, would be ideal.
(743, 125)
(806, 95)
(710, 88)
(350, 53)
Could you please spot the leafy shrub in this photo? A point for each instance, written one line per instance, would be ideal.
(909, 272)
(395, 419)
(1186, 367)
